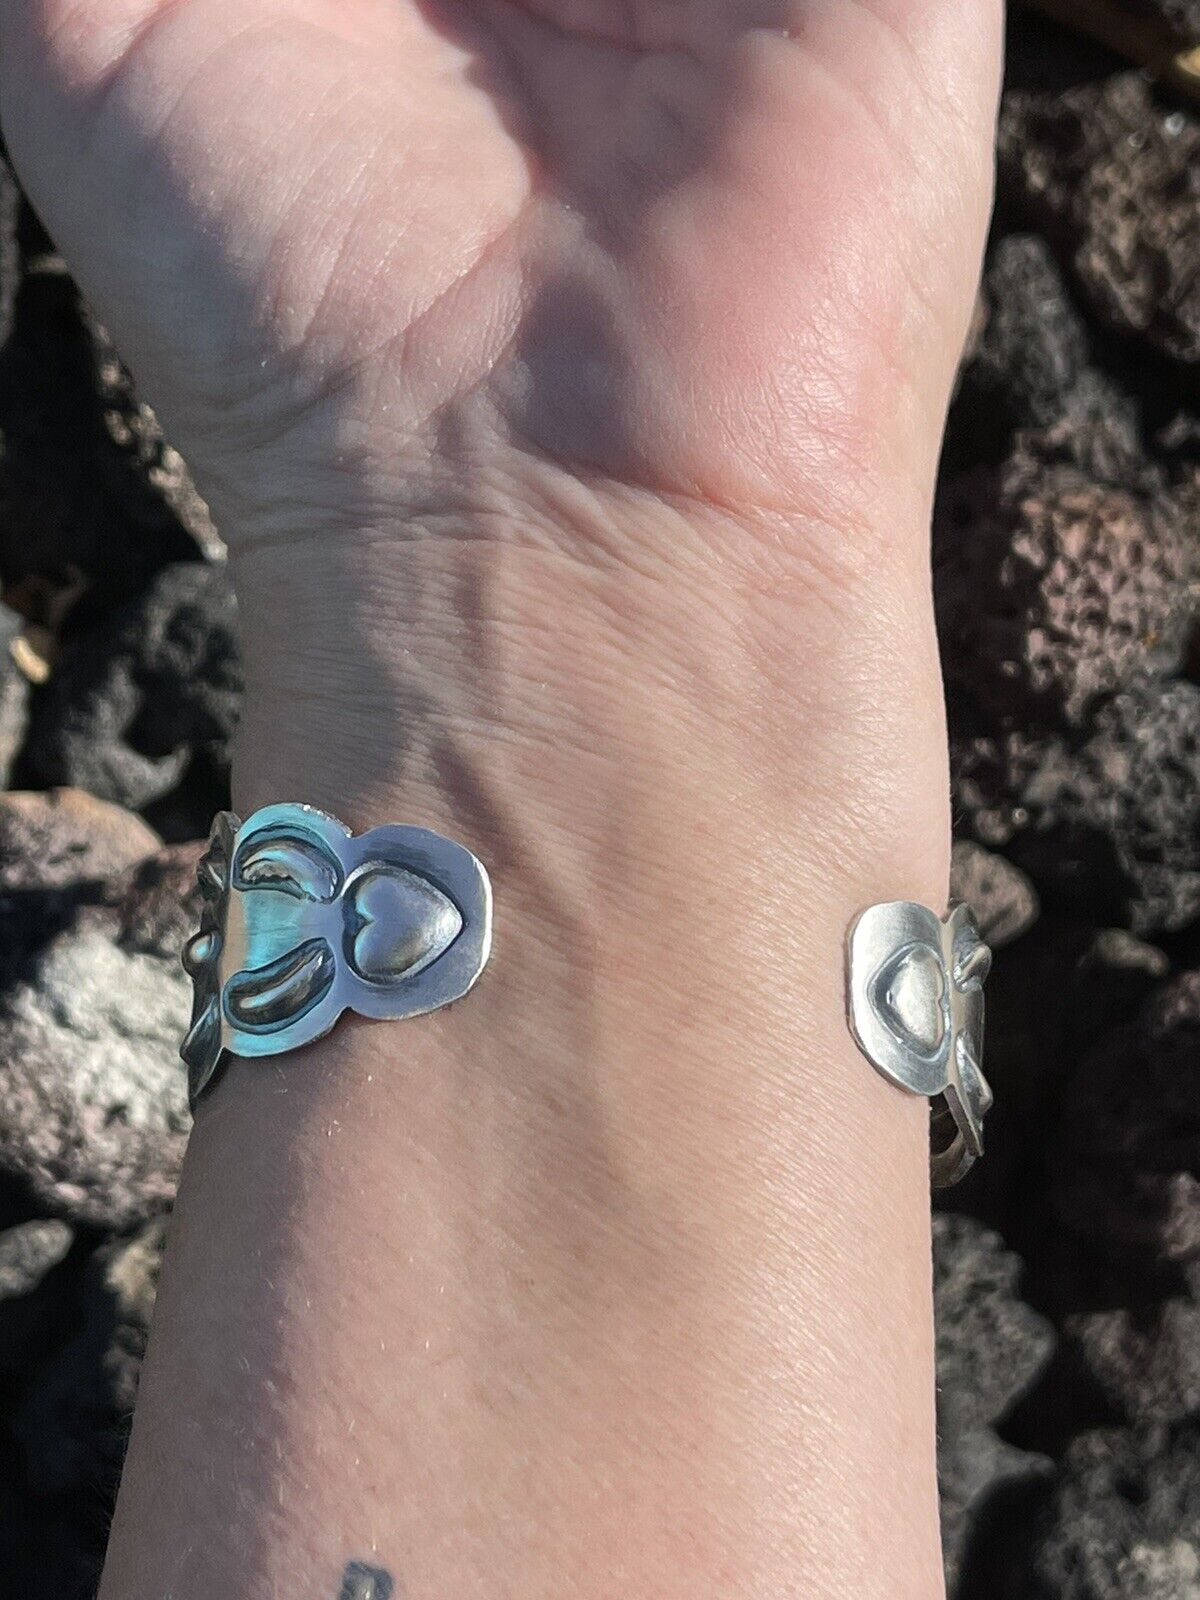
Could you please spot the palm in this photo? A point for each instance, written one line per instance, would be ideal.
(675, 247)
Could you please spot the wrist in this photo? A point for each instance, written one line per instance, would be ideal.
(594, 1218)
(506, 684)
(681, 784)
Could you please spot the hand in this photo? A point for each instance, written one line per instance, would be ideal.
(374, 257)
(678, 287)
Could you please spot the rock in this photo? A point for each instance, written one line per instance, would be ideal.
(1125, 1187)
(991, 1345)
(1052, 997)
(1055, 591)
(1145, 1360)
(31, 1305)
(86, 488)
(1182, 17)
(1031, 368)
(1034, 348)
(1112, 174)
(94, 1122)
(28, 1252)
(1124, 1522)
(990, 1349)
(67, 837)
(66, 1421)
(73, 1424)
(1032, 374)
(148, 699)
(1126, 1176)
(14, 694)
(134, 428)
(1003, 899)
(1119, 957)
(50, 1549)
(158, 913)
(129, 1271)
(93, 1103)
(1107, 825)
(1113, 978)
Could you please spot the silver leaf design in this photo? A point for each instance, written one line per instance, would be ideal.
(289, 863)
(271, 996)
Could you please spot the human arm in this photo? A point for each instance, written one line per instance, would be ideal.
(613, 566)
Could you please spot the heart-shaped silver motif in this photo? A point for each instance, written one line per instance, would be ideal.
(398, 923)
(915, 1004)
(909, 995)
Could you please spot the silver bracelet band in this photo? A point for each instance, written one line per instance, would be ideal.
(303, 920)
(914, 999)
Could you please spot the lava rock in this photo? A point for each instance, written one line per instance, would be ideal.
(1181, 17)
(64, 838)
(93, 1100)
(1052, 997)
(1145, 1360)
(73, 1424)
(14, 694)
(57, 852)
(31, 1308)
(991, 1345)
(1032, 348)
(1121, 960)
(990, 1349)
(135, 430)
(1127, 1158)
(1110, 824)
(1031, 370)
(1113, 177)
(88, 486)
(65, 1418)
(1003, 899)
(158, 913)
(141, 702)
(1054, 590)
(28, 1252)
(1124, 1522)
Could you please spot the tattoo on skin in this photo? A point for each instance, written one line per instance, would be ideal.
(362, 1582)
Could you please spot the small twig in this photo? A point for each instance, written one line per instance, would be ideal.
(1149, 44)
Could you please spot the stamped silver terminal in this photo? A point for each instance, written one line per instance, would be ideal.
(914, 998)
(303, 920)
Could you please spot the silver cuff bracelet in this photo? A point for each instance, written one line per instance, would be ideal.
(914, 999)
(303, 920)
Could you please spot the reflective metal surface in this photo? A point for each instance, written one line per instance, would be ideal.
(303, 920)
(914, 996)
